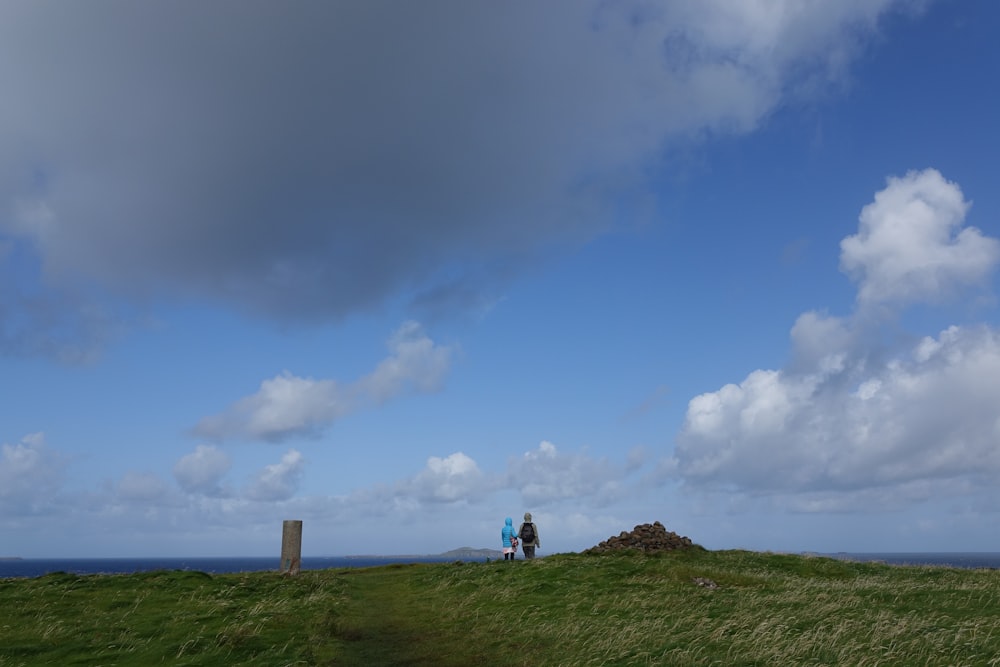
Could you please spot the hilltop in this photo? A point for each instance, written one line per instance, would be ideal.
(624, 607)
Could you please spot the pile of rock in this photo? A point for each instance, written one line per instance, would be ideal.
(646, 537)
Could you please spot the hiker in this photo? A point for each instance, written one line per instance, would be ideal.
(528, 532)
(509, 539)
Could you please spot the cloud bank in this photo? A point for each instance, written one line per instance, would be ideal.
(146, 508)
(302, 165)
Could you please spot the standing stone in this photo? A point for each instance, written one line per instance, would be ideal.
(291, 547)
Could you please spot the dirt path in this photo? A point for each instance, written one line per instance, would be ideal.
(387, 624)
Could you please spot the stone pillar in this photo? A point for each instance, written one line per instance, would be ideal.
(291, 547)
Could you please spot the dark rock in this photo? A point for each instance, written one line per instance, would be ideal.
(648, 537)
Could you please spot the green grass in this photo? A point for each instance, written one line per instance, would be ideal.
(571, 609)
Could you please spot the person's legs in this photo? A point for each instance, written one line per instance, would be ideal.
(529, 551)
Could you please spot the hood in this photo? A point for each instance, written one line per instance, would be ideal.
(509, 521)
(527, 516)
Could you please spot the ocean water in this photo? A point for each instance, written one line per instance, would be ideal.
(36, 567)
(972, 560)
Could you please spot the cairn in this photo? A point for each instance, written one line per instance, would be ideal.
(645, 537)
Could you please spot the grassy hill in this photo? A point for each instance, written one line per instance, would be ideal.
(690, 607)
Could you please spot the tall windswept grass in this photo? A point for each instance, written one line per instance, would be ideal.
(767, 610)
(571, 609)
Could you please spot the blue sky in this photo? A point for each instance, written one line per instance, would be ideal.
(401, 271)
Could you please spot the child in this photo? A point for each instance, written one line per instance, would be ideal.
(509, 539)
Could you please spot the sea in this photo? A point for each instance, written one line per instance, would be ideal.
(37, 567)
(975, 560)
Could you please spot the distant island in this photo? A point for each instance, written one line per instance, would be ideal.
(462, 553)
(469, 552)
(11, 558)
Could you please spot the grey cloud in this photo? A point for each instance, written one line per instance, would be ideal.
(278, 481)
(141, 487)
(31, 476)
(202, 470)
(303, 163)
(63, 325)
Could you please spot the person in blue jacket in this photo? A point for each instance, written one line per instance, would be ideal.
(507, 534)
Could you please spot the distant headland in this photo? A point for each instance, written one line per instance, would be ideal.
(461, 553)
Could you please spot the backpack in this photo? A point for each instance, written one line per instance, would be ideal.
(528, 533)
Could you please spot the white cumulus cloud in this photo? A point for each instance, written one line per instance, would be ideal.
(911, 245)
(453, 478)
(545, 475)
(284, 406)
(288, 406)
(850, 420)
(415, 363)
(927, 415)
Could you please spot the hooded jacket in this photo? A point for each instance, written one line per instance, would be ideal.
(507, 532)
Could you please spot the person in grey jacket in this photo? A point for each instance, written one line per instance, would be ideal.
(528, 534)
